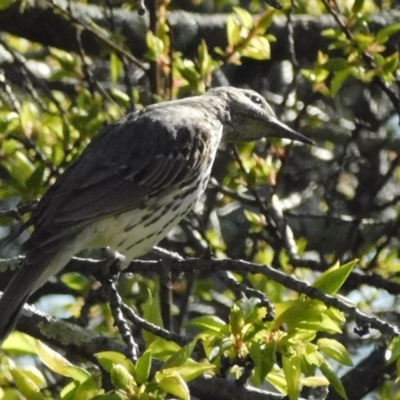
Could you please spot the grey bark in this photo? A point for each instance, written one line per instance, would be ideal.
(42, 24)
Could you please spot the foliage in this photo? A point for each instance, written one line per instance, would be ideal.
(326, 218)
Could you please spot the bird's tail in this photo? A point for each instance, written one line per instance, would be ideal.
(15, 296)
(41, 262)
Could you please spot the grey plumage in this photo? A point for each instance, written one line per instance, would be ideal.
(135, 180)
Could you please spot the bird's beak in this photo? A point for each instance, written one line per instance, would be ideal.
(281, 130)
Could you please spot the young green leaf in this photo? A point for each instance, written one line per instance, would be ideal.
(335, 350)
(53, 360)
(107, 359)
(152, 313)
(333, 379)
(233, 30)
(78, 374)
(142, 368)
(312, 381)
(181, 356)
(171, 382)
(385, 33)
(245, 17)
(338, 80)
(292, 369)
(394, 349)
(357, 6)
(121, 378)
(236, 321)
(6, 3)
(116, 67)
(333, 278)
(258, 48)
(192, 370)
(26, 385)
(209, 323)
(264, 358)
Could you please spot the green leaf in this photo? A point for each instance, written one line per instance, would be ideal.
(357, 6)
(155, 46)
(292, 369)
(20, 342)
(312, 381)
(205, 60)
(332, 33)
(142, 368)
(188, 71)
(79, 374)
(335, 64)
(111, 396)
(257, 220)
(254, 218)
(264, 358)
(152, 313)
(35, 375)
(33, 183)
(394, 349)
(294, 312)
(363, 40)
(171, 382)
(277, 379)
(6, 3)
(245, 17)
(312, 356)
(121, 378)
(192, 370)
(391, 63)
(335, 350)
(302, 336)
(319, 323)
(163, 349)
(181, 356)
(76, 281)
(87, 388)
(115, 67)
(379, 59)
(333, 278)
(22, 167)
(335, 315)
(333, 379)
(398, 367)
(264, 22)
(68, 391)
(209, 323)
(26, 385)
(121, 97)
(384, 34)
(66, 132)
(53, 360)
(249, 308)
(257, 48)
(233, 30)
(107, 359)
(338, 80)
(236, 321)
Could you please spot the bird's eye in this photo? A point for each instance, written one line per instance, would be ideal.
(256, 100)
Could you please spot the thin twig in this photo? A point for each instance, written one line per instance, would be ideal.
(103, 39)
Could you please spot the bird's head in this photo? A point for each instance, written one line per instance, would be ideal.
(249, 117)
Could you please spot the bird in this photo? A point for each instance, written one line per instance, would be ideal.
(135, 180)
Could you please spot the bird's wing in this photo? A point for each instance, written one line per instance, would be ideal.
(125, 165)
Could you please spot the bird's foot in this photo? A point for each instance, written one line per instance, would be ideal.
(112, 264)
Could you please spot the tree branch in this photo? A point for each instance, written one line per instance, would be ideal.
(42, 24)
